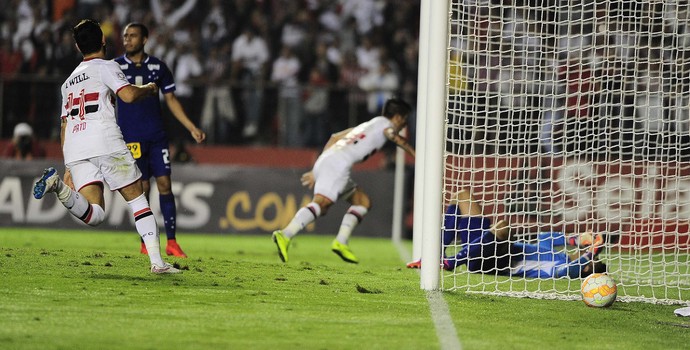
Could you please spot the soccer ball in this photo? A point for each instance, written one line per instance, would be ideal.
(599, 290)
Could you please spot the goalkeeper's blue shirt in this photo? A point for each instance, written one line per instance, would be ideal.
(142, 120)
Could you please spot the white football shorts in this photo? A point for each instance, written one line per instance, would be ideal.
(332, 180)
(117, 170)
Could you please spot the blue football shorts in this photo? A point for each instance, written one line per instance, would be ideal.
(152, 157)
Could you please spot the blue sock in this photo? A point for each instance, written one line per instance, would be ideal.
(167, 202)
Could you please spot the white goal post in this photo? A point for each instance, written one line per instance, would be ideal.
(431, 99)
(558, 116)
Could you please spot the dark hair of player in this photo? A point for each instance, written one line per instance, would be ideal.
(142, 28)
(88, 36)
(396, 106)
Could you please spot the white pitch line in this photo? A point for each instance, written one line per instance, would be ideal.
(445, 328)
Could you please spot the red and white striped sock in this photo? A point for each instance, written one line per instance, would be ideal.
(147, 228)
(351, 219)
(303, 217)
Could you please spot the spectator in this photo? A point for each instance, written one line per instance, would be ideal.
(329, 17)
(10, 66)
(43, 99)
(215, 27)
(213, 36)
(24, 145)
(650, 108)
(457, 89)
(169, 13)
(380, 85)
(187, 68)
(367, 54)
(550, 131)
(25, 22)
(249, 57)
(295, 33)
(218, 113)
(575, 42)
(285, 71)
(323, 62)
(316, 102)
(367, 13)
(347, 36)
(513, 85)
(385, 57)
(333, 52)
(350, 74)
(580, 94)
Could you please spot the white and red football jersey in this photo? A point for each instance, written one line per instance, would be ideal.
(88, 98)
(361, 142)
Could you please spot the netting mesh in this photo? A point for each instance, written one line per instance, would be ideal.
(574, 116)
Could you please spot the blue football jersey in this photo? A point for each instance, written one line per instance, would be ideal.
(143, 120)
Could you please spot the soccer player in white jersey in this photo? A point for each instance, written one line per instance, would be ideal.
(330, 177)
(92, 144)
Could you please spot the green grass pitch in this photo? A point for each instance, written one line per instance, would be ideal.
(91, 289)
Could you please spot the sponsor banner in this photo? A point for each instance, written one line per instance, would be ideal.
(645, 203)
(210, 199)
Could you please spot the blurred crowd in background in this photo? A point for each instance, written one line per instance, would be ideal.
(259, 72)
(600, 78)
(524, 76)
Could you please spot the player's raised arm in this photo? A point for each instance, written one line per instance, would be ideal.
(132, 93)
(399, 141)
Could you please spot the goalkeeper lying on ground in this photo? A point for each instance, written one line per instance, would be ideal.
(487, 249)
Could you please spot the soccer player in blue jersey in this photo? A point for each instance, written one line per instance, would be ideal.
(485, 248)
(144, 129)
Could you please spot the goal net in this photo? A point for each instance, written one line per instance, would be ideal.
(569, 117)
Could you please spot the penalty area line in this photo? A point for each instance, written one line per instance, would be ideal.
(445, 328)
